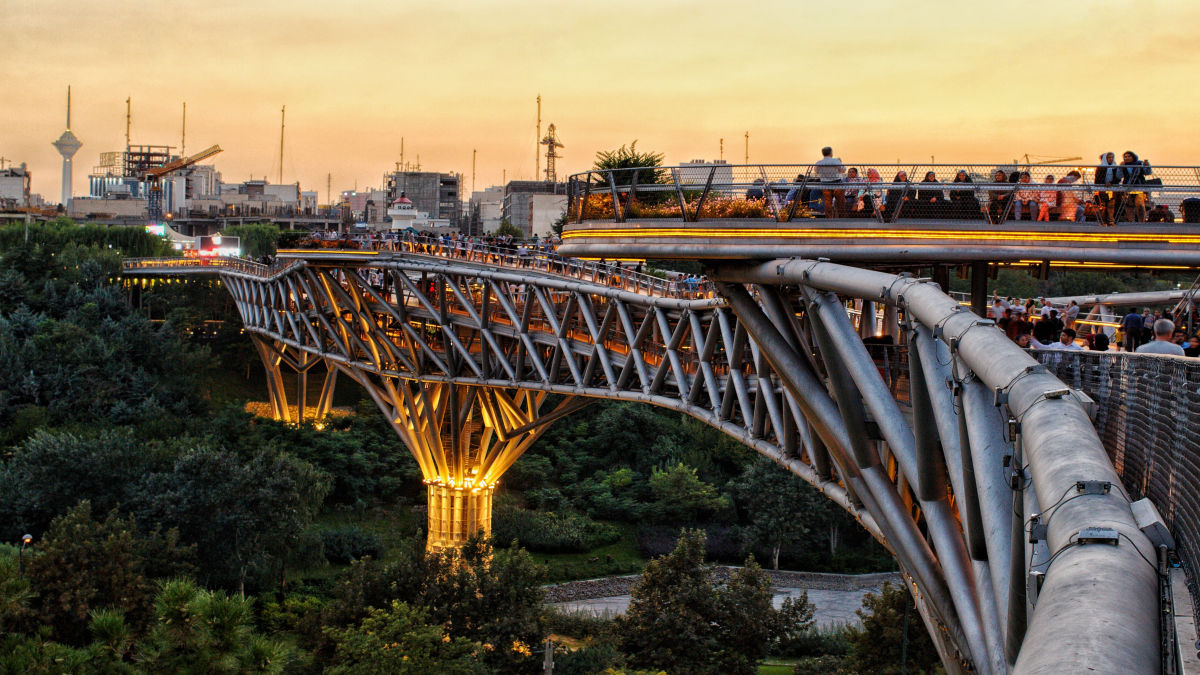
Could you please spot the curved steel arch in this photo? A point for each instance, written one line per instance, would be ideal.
(775, 361)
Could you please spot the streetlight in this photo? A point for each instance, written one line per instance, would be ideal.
(21, 553)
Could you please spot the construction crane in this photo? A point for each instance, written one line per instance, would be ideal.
(1059, 160)
(552, 144)
(153, 178)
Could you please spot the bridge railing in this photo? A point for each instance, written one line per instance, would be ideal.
(888, 193)
(544, 259)
(1149, 419)
(181, 264)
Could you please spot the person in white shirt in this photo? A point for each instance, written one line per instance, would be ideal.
(829, 171)
(1066, 341)
(1164, 330)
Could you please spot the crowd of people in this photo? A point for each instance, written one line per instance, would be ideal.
(1040, 325)
(1109, 193)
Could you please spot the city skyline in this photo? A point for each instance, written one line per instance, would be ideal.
(880, 83)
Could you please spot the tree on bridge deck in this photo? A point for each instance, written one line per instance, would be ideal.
(628, 157)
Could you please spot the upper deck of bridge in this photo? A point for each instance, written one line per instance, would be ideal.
(526, 260)
(890, 214)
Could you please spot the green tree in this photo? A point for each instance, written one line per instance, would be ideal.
(782, 509)
(625, 158)
(491, 597)
(681, 618)
(85, 564)
(400, 640)
(682, 497)
(51, 472)
(507, 229)
(257, 239)
(244, 514)
(891, 626)
(200, 631)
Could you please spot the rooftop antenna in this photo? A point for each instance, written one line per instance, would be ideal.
(183, 134)
(747, 160)
(128, 120)
(402, 152)
(282, 115)
(537, 156)
(721, 154)
(328, 188)
(474, 154)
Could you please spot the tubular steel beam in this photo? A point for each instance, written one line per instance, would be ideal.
(1098, 606)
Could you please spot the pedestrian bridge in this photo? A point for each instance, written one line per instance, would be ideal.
(893, 221)
(971, 461)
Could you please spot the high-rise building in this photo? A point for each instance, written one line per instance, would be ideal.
(434, 193)
(67, 145)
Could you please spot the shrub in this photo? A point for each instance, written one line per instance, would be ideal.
(549, 531)
(722, 543)
(347, 544)
(815, 642)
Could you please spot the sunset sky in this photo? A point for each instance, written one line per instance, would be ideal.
(879, 81)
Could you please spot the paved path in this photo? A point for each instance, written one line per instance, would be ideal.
(836, 597)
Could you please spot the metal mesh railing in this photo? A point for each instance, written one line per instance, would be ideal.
(182, 264)
(1148, 415)
(992, 193)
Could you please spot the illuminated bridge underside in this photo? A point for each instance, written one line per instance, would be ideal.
(903, 243)
(460, 357)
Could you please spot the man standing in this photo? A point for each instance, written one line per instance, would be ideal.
(1164, 329)
(829, 172)
(1071, 315)
(1131, 327)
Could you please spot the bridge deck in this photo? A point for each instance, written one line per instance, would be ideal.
(902, 243)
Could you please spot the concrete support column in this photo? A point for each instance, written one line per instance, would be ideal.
(456, 513)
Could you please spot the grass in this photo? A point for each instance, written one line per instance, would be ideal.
(621, 557)
(777, 667)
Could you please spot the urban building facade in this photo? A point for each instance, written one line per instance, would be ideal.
(438, 194)
(534, 206)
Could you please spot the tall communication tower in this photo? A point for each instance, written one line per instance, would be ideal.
(552, 144)
(67, 145)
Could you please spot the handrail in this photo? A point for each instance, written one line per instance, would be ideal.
(752, 191)
(533, 258)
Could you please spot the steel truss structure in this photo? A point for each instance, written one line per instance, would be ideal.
(945, 456)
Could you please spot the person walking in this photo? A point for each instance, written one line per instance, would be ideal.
(1131, 328)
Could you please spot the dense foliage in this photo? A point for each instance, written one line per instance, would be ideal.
(681, 618)
(176, 532)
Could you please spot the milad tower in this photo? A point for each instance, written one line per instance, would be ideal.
(67, 145)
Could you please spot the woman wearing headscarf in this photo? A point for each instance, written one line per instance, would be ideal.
(1108, 174)
(1000, 197)
(963, 203)
(898, 197)
(873, 194)
(931, 199)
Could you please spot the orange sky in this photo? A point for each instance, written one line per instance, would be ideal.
(882, 81)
